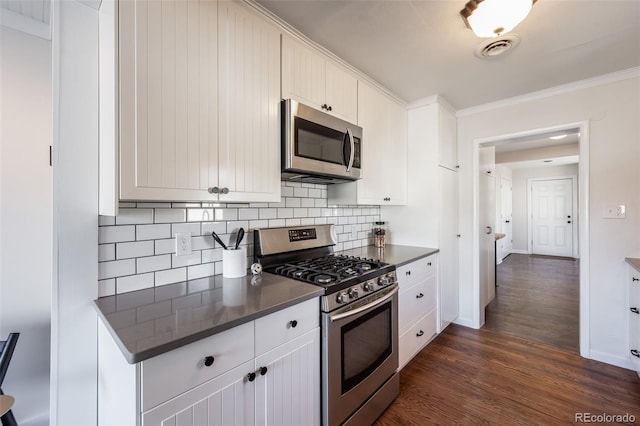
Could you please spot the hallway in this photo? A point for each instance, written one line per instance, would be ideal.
(537, 298)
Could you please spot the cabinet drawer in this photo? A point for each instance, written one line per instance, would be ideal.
(287, 324)
(415, 301)
(174, 372)
(416, 337)
(414, 272)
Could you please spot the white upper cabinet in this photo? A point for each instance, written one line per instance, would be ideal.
(384, 153)
(198, 89)
(448, 138)
(487, 160)
(249, 102)
(310, 78)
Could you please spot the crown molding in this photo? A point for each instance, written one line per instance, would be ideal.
(554, 91)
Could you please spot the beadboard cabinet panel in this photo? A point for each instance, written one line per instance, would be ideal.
(249, 134)
(168, 99)
(341, 92)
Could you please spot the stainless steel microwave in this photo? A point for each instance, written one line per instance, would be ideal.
(317, 147)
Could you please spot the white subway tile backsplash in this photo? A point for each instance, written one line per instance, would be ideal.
(153, 232)
(199, 271)
(134, 249)
(171, 276)
(116, 268)
(106, 252)
(226, 214)
(114, 234)
(137, 249)
(153, 263)
(200, 215)
(292, 202)
(219, 227)
(165, 246)
(189, 259)
(134, 216)
(247, 214)
(134, 282)
(183, 228)
(170, 215)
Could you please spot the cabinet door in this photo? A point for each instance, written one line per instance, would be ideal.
(303, 74)
(289, 391)
(634, 318)
(395, 159)
(448, 246)
(226, 400)
(341, 92)
(168, 99)
(249, 129)
(448, 138)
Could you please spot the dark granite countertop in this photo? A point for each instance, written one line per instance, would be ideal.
(395, 254)
(633, 261)
(149, 322)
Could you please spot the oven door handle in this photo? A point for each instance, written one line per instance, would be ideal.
(356, 311)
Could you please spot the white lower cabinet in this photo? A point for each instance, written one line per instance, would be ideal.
(417, 306)
(230, 378)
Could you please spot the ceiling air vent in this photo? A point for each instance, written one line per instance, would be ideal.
(495, 47)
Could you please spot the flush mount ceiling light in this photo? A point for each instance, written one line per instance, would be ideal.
(490, 18)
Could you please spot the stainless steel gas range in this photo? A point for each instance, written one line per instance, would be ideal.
(359, 318)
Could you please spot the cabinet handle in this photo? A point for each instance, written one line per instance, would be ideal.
(214, 190)
(330, 109)
(208, 360)
(225, 190)
(325, 106)
(419, 296)
(420, 333)
(407, 273)
(635, 310)
(635, 279)
(293, 324)
(635, 352)
(251, 376)
(263, 371)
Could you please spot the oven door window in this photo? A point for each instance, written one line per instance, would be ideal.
(318, 142)
(366, 344)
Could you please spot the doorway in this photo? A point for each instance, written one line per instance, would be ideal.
(578, 205)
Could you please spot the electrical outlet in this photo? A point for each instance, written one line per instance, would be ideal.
(614, 211)
(183, 244)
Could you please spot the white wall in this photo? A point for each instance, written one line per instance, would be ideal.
(612, 111)
(25, 219)
(520, 199)
(75, 198)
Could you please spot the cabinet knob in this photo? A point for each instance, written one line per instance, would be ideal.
(214, 190)
(208, 360)
(330, 109)
(263, 371)
(293, 323)
(324, 106)
(420, 333)
(251, 376)
(408, 273)
(458, 235)
(225, 190)
(428, 263)
(419, 296)
(568, 221)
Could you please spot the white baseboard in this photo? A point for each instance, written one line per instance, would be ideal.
(519, 251)
(607, 358)
(465, 322)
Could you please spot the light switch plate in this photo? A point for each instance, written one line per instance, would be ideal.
(614, 211)
(183, 244)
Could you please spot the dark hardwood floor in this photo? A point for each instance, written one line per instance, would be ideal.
(473, 377)
(522, 368)
(537, 298)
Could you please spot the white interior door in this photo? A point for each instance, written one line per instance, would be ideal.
(552, 217)
(506, 243)
(487, 237)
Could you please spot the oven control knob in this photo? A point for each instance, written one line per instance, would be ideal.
(353, 293)
(342, 297)
(368, 287)
(384, 281)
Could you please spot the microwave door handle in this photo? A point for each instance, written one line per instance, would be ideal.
(353, 149)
